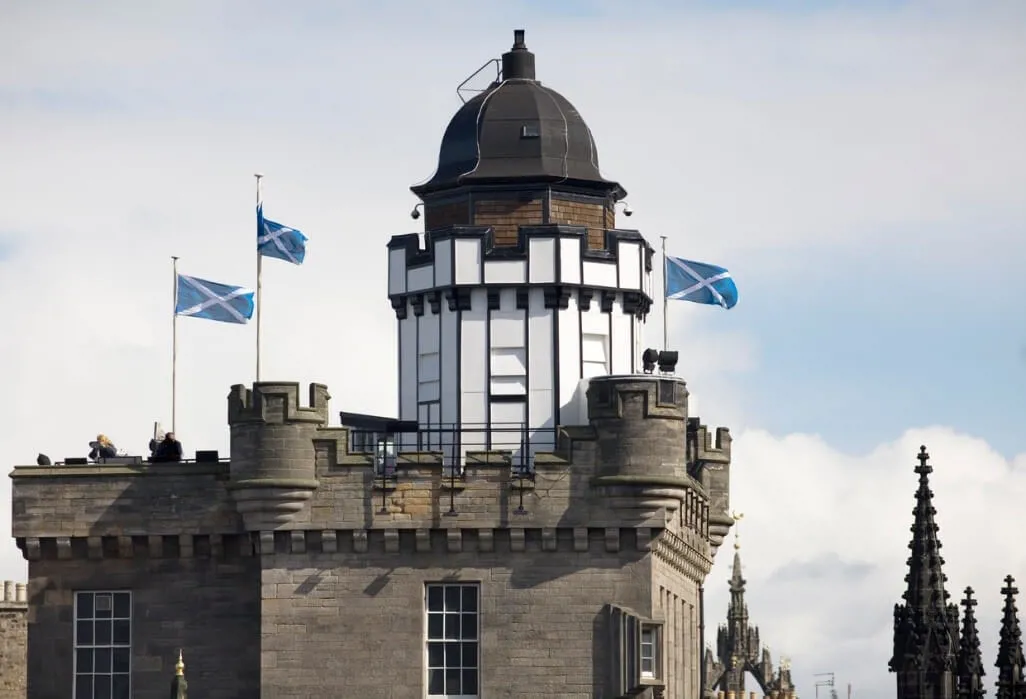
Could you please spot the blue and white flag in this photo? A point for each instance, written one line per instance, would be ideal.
(200, 298)
(276, 240)
(699, 282)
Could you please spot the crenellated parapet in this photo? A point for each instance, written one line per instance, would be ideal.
(13, 596)
(290, 470)
(273, 470)
(709, 463)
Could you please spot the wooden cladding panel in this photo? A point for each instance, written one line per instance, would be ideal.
(505, 216)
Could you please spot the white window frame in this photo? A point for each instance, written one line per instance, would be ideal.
(436, 640)
(651, 635)
(104, 645)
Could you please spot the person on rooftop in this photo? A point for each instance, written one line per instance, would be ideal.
(168, 449)
(102, 448)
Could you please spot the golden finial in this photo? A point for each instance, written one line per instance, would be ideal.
(180, 665)
(738, 516)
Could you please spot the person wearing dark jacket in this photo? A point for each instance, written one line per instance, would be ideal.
(168, 449)
(102, 448)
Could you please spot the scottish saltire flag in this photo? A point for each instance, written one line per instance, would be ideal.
(276, 240)
(699, 282)
(200, 298)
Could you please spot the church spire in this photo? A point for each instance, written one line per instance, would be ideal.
(970, 662)
(925, 626)
(1010, 684)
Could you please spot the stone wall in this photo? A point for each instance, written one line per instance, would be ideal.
(208, 607)
(351, 624)
(13, 613)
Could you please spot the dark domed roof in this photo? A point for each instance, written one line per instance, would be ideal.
(518, 131)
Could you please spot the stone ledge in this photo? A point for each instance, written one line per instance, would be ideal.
(330, 541)
(219, 469)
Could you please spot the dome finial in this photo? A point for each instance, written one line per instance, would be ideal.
(180, 665)
(518, 62)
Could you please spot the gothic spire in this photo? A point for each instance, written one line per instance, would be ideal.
(925, 626)
(1010, 684)
(970, 662)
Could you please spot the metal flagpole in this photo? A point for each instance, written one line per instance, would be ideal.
(174, 341)
(259, 283)
(663, 237)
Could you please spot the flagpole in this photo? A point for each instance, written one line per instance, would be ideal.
(259, 283)
(663, 237)
(174, 341)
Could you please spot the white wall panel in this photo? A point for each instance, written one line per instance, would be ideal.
(542, 265)
(468, 260)
(621, 341)
(640, 329)
(473, 370)
(428, 359)
(408, 373)
(396, 272)
(420, 278)
(570, 260)
(507, 422)
(450, 366)
(443, 262)
(599, 274)
(508, 347)
(594, 342)
(505, 272)
(569, 354)
(629, 262)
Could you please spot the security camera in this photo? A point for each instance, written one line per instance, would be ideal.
(415, 214)
(627, 210)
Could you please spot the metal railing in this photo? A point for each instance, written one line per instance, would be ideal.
(454, 441)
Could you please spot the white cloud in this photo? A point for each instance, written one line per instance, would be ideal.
(824, 544)
(733, 133)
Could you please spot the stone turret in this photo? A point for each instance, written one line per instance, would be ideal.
(640, 452)
(709, 459)
(272, 468)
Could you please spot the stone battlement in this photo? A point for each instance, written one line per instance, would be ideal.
(276, 403)
(14, 595)
(641, 462)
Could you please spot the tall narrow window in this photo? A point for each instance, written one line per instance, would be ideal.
(648, 652)
(453, 647)
(103, 645)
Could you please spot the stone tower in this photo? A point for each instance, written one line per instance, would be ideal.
(539, 519)
(521, 285)
(926, 633)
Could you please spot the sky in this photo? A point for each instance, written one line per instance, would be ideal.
(859, 167)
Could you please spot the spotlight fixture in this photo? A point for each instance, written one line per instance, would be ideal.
(649, 358)
(667, 362)
(415, 214)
